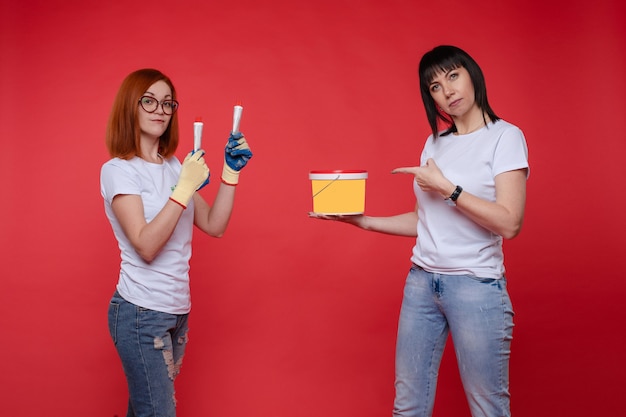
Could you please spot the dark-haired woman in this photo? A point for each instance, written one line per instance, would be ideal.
(151, 202)
(470, 188)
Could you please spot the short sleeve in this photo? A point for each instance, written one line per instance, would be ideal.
(117, 177)
(511, 152)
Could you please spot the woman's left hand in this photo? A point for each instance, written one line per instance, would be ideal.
(237, 153)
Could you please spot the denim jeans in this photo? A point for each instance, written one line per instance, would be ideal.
(477, 312)
(151, 345)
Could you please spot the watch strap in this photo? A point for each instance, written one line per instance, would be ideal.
(451, 201)
(456, 193)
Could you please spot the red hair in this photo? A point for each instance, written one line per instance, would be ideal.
(123, 131)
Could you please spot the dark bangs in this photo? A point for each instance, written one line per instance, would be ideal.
(441, 59)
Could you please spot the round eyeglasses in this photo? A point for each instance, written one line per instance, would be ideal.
(151, 104)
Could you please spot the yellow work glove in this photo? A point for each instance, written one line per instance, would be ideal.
(193, 174)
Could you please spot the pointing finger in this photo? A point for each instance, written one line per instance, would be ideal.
(403, 170)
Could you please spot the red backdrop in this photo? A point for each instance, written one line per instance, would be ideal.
(294, 317)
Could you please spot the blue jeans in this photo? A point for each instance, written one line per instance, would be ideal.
(477, 312)
(151, 345)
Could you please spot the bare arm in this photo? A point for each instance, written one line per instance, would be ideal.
(503, 217)
(147, 238)
(214, 220)
(400, 225)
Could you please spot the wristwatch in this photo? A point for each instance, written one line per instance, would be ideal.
(451, 201)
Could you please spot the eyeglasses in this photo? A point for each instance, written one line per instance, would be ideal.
(150, 105)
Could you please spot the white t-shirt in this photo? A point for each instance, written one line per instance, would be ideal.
(449, 242)
(163, 284)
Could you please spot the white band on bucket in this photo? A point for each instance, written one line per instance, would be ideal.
(337, 175)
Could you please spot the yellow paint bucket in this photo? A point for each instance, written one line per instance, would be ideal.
(338, 192)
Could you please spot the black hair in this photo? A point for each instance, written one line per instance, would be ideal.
(445, 58)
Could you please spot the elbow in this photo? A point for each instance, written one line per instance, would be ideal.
(512, 225)
(148, 259)
(147, 255)
(213, 229)
(512, 231)
(215, 233)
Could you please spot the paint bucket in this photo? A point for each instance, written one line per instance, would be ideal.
(338, 192)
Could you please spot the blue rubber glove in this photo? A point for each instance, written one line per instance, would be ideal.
(237, 153)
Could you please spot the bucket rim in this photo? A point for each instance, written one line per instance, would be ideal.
(338, 175)
(338, 171)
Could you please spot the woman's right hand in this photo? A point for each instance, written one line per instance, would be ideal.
(344, 218)
(429, 178)
(193, 174)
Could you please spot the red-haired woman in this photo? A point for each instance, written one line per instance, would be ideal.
(151, 202)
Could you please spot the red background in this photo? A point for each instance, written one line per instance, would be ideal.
(294, 317)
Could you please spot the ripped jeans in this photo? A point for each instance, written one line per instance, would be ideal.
(477, 312)
(151, 345)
